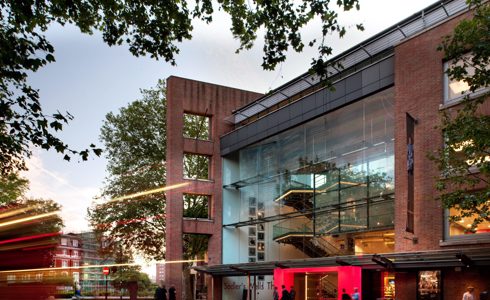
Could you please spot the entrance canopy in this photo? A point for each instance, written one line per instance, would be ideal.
(392, 261)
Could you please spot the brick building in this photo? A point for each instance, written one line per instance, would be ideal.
(68, 255)
(213, 103)
(82, 250)
(323, 189)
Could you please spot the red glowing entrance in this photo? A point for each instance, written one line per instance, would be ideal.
(320, 283)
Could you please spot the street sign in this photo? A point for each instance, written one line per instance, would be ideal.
(105, 270)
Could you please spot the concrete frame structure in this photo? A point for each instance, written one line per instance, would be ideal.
(216, 102)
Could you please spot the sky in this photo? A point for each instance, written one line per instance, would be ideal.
(90, 79)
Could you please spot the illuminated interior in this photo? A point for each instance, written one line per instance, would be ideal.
(388, 287)
(320, 283)
(457, 88)
(463, 226)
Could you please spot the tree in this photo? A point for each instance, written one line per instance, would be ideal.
(136, 153)
(148, 28)
(465, 160)
(128, 276)
(12, 187)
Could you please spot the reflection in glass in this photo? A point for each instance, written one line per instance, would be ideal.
(336, 173)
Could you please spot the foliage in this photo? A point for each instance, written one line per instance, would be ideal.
(151, 28)
(196, 166)
(196, 124)
(465, 160)
(123, 276)
(136, 153)
(53, 223)
(196, 206)
(24, 208)
(12, 187)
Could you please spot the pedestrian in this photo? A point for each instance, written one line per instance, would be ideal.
(292, 293)
(345, 296)
(172, 293)
(158, 293)
(275, 294)
(469, 293)
(355, 296)
(161, 292)
(285, 293)
(164, 292)
(78, 291)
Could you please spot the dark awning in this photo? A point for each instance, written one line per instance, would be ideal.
(471, 257)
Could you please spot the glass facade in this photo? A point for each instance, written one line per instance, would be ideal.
(331, 175)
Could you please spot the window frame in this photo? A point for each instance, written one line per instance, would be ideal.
(446, 81)
(209, 199)
(208, 136)
(462, 238)
(209, 164)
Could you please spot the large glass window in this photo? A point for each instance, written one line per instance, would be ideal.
(340, 164)
(196, 127)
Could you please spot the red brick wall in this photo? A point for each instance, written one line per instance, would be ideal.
(419, 92)
(456, 282)
(184, 95)
(406, 285)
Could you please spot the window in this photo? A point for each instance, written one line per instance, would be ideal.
(196, 206)
(75, 253)
(196, 127)
(64, 242)
(64, 252)
(10, 278)
(410, 123)
(76, 277)
(463, 226)
(196, 166)
(75, 243)
(64, 263)
(456, 89)
(76, 264)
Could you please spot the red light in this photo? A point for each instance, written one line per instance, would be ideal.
(349, 277)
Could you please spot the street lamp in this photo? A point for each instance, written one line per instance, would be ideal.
(105, 271)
